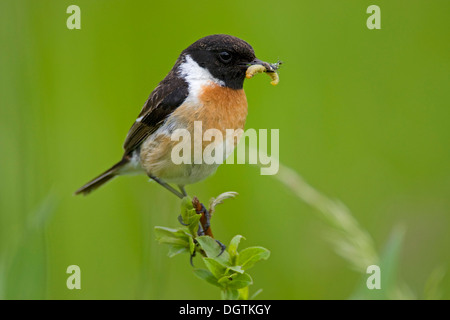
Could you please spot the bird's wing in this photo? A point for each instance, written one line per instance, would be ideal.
(167, 96)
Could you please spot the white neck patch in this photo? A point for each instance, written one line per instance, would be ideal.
(196, 77)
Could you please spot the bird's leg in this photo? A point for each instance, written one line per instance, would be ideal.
(183, 191)
(200, 231)
(168, 187)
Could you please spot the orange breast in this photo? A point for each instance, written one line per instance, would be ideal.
(223, 108)
(219, 108)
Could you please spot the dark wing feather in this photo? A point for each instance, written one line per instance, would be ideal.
(167, 96)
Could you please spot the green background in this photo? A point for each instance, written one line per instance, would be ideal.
(363, 117)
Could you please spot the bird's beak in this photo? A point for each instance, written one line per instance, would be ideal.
(268, 66)
(258, 66)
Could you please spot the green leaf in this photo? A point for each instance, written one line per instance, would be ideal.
(235, 269)
(176, 249)
(233, 246)
(189, 215)
(168, 232)
(186, 205)
(243, 293)
(209, 245)
(236, 280)
(230, 294)
(207, 276)
(194, 223)
(172, 236)
(216, 268)
(249, 256)
(191, 245)
(213, 250)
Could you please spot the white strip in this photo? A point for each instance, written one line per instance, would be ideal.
(196, 77)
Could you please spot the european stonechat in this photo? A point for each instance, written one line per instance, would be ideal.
(205, 84)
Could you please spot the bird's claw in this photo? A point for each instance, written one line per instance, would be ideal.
(180, 220)
(222, 247)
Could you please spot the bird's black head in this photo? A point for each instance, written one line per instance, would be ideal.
(225, 57)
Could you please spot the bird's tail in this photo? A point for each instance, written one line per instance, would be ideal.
(103, 178)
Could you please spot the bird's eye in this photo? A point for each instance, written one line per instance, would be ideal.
(225, 56)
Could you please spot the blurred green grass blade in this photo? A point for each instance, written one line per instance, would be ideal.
(433, 286)
(25, 268)
(26, 275)
(389, 263)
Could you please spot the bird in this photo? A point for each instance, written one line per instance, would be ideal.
(205, 84)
